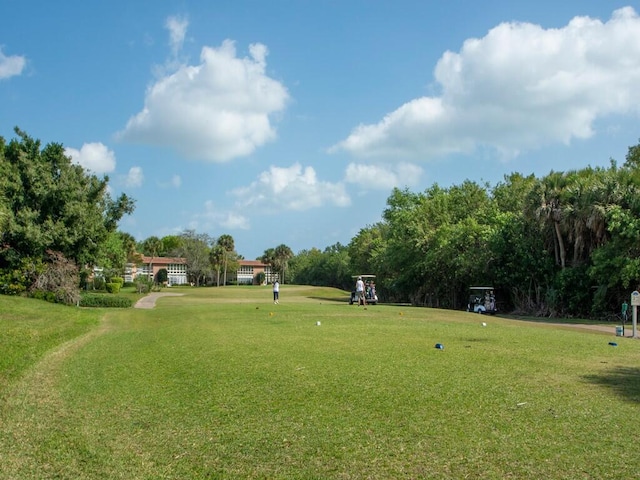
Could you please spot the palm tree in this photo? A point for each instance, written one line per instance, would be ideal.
(587, 199)
(547, 206)
(128, 244)
(269, 258)
(228, 245)
(282, 255)
(151, 246)
(216, 258)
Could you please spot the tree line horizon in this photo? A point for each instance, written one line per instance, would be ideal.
(566, 244)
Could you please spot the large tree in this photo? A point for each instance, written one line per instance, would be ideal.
(365, 249)
(52, 204)
(113, 256)
(170, 245)
(195, 248)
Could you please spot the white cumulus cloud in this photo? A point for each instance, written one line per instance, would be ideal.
(217, 110)
(234, 221)
(95, 157)
(135, 177)
(12, 65)
(377, 177)
(177, 27)
(292, 188)
(518, 88)
(213, 217)
(174, 182)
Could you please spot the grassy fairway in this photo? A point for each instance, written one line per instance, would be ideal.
(221, 383)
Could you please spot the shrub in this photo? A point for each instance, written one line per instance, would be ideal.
(11, 282)
(105, 301)
(18, 280)
(98, 283)
(118, 280)
(112, 287)
(143, 284)
(43, 295)
(162, 276)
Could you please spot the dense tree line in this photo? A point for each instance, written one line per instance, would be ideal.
(566, 244)
(330, 267)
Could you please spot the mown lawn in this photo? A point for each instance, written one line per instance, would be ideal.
(221, 383)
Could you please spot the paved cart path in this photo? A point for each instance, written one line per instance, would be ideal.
(149, 301)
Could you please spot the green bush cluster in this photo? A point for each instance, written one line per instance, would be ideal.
(16, 281)
(12, 283)
(113, 287)
(107, 301)
(143, 284)
(44, 295)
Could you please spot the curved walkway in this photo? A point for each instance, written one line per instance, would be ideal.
(149, 301)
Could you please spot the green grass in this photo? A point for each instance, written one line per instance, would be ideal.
(29, 328)
(221, 383)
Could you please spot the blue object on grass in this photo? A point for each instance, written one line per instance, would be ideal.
(439, 346)
(613, 344)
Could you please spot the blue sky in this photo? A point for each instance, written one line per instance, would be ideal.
(291, 121)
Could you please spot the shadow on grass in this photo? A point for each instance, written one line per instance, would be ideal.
(554, 320)
(625, 381)
(331, 299)
(477, 339)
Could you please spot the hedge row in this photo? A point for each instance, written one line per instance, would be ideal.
(111, 301)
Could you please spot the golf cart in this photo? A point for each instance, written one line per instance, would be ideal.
(482, 300)
(370, 295)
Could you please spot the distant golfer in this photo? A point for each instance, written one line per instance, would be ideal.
(360, 292)
(276, 292)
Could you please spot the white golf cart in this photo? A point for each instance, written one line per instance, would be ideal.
(370, 295)
(482, 300)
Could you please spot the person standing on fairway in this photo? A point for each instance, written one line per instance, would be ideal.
(360, 292)
(276, 292)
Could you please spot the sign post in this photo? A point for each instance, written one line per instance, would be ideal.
(635, 301)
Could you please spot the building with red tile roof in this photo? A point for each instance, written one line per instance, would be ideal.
(249, 271)
(176, 269)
